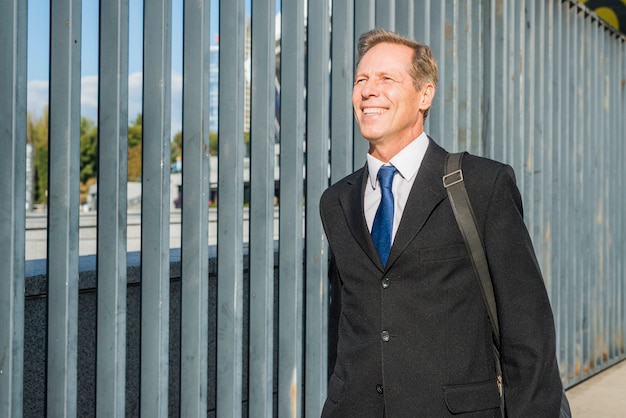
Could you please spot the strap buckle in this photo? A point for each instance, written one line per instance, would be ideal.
(452, 178)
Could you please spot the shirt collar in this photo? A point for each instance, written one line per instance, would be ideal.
(407, 161)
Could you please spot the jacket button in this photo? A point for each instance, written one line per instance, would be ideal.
(384, 336)
(386, 282)
(379, 389)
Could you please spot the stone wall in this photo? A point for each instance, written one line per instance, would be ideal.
(35, 336)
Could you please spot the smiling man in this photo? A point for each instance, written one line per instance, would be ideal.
(410, 335)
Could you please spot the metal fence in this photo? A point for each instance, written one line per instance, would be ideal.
(538, 84)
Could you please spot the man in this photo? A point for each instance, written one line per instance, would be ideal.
(412, 334)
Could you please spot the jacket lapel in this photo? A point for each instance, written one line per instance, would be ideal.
(427, 192)
(352, 205)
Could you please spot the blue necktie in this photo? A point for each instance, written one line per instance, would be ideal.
(383, 222)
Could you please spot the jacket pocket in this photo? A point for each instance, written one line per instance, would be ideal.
(472, 397)
(335, 388)
(445, 252)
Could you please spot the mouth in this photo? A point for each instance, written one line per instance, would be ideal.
(373, 111)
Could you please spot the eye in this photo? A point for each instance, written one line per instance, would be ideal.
(359, 81)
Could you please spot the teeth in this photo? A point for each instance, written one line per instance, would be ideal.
(373, 111)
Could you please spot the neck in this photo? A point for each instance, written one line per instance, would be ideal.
(386, 150)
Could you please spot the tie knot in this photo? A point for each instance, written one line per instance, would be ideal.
(385, 176)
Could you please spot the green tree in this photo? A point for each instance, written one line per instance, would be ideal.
(88, 156)
(134, 148)
(213, 143)
(135, 131)
(246, 141)
(88, 150)
(37, 135)
(176, 149)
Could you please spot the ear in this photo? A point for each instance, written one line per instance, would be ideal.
(427, 94)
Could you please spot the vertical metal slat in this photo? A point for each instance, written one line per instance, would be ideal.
(385, 14)
(557, 180)
(195, 248)
(155, 222)
(364, 20)
(230, 211)
(342, 82)
(112, 205)
(477, 79)
(438, 118)
(63, 211)
(465, 55)
(12, 206)
(262, 142)
(318, 141)
(291, 274)
(405, 18)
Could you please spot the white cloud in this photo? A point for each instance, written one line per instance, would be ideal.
(177, 103)
(37, 98)
(135, 91)
(89, 97)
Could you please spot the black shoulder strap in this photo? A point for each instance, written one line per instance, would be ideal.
(453, 182)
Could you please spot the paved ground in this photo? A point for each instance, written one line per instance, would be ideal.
(601, 396)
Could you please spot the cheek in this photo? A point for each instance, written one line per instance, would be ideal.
(356, 97)
(356, 102)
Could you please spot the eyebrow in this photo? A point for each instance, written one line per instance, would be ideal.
(393, 74)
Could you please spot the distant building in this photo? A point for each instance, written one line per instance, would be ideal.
(133, 196)
(214, 78)
(30, 176)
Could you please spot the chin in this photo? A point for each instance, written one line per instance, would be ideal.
(371, 137)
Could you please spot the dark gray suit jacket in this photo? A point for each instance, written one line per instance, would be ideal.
(413, 339)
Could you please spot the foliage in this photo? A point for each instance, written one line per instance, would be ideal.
(134, 163)
(176, 149)
(246, 141)
(213, 143)
(88, 150)
(134, 148)
(88, 156)
(177, 144)
(135, 131)
(37, 134)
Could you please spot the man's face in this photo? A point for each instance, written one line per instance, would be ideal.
(385, 100)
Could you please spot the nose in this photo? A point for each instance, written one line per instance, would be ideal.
(369, 89)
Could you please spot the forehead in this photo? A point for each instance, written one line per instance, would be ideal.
(386, 57)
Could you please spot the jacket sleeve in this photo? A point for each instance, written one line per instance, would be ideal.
(334, 311)
(528, 343)
(334, 302)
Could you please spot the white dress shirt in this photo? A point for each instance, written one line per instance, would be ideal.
(407, 162)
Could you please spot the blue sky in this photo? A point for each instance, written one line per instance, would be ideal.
(38, 56)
